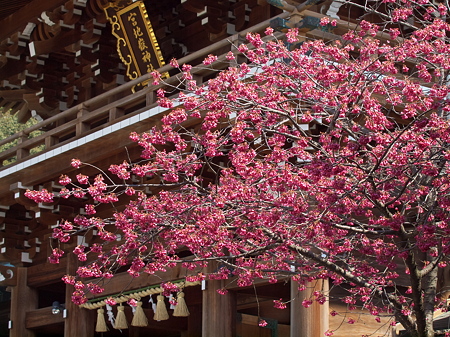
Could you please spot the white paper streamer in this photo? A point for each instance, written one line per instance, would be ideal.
(153, 304)
(171, 301)
(110, 315)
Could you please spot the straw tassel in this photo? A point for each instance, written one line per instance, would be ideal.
(181, 309)
(161, 313)
(121, 320)
(101, 323)
(139, 318)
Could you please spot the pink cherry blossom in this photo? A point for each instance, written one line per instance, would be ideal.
(209, 59)
(315, 160)
(40, 196)
(262, 323)
(76, 163)
(110, 301)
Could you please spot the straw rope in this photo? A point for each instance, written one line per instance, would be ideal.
(137, 295)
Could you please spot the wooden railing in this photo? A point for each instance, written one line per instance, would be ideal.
(121, 103)
(104, 110)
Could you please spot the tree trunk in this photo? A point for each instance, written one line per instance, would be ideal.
(429, 283)
(424, 310)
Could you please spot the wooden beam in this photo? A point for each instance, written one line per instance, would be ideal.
(232, 284)
(29, 13)
(56, 43)
(15, 94)
(46, 273)
(42, 317)
(124, 282)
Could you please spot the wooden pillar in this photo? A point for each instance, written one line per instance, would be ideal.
(115, 113)
(81, 127)
(219, 311)
(79, 322)
(133, 331)
(194, 321)
(314, 320)
(50, 141)
(150, 98)
(23, 299)
(22, 152)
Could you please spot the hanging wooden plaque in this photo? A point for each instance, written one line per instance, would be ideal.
(136, 41)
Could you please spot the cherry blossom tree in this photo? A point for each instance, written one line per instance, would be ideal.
(312, 160)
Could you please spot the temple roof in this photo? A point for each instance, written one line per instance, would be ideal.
(7, 7)
(56, 54)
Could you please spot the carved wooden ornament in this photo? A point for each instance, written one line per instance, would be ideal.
(8, 276)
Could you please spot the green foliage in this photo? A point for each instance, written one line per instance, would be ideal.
(10, 126)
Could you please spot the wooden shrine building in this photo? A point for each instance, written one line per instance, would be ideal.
(61, 63)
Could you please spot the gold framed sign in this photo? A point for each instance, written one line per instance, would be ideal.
(136, 40)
